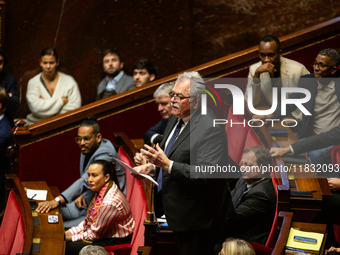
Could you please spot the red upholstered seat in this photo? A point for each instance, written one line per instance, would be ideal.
(237, 134)
(136, 197)
(261, 249)
(12, 231)
(251, 139)
(271, 241)
(121, 249)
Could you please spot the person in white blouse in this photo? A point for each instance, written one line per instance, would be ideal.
(51, 92)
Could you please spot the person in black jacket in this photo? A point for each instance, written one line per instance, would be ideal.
(155, 134)
(9, 83)
(6, 139)
(254, 199)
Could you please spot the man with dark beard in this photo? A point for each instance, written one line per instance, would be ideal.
(116, 81)
(77, 197)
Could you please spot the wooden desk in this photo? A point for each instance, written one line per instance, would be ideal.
(51, 235)
(139, 143)
(310, 227)
(303, 180)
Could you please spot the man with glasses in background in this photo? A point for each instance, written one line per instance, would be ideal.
(273, 71)
(324, 105)
(78, 196)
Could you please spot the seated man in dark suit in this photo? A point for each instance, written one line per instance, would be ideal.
(116, 81)
(155, 134)
(6, 139)
(254, 199)
(9, 83)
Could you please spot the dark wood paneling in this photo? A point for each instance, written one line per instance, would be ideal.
(175, 35)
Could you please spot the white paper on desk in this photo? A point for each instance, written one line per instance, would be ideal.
(39, 194)
(134, 171)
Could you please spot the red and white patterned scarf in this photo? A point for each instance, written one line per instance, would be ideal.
(96, 201)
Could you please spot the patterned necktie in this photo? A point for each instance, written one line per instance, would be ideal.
(167, 150)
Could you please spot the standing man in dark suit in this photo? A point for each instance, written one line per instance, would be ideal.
(155, 134)
(324, 105)
(6, 139)
(9, 83)
(254, 199)
(116, 81)
(194, 203)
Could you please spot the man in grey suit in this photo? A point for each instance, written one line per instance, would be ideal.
(116, 81)
(78, 196)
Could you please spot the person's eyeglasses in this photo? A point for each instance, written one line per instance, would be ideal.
(176, 97)
(320, 65)
(86, 139)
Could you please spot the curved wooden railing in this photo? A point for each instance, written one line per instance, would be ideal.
(133, 111)
(218, 68)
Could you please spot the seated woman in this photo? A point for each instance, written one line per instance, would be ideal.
(108, 220)
(51, 92)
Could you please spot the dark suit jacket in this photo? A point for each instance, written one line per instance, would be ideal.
(156, 129)
(125, 83)
(195, 202)
(310, 83)
(331, 137)
(6, 139)
(9, 83)
(254, 211)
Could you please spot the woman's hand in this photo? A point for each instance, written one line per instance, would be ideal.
(65, 100)
(68, 236)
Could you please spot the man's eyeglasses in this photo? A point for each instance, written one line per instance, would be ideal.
(320, 65)
(176, 97)
(86, 139)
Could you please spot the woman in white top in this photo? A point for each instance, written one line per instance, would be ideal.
(51, 92)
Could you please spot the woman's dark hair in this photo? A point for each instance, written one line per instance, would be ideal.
(49, 52)
(107, 168)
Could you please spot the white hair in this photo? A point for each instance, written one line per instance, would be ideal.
(93, 250)
(196, 82)
(164, 89)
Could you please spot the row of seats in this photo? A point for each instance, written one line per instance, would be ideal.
(13, 238)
